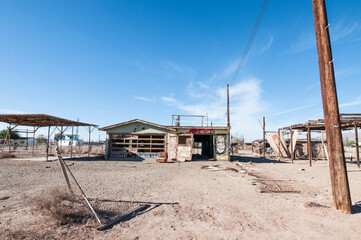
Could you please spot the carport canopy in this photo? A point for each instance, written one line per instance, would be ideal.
(40, 120)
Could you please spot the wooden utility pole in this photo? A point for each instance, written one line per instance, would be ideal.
(338, 171)
(357, 151)
(228, 117)
(264, 137)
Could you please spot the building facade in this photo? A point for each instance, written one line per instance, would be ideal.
(138, 138)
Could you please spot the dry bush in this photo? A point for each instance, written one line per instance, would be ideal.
(6, 155)
(61, 206)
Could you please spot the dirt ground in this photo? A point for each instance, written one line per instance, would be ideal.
(222, 204)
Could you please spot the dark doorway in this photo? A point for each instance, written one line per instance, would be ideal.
(204, 145)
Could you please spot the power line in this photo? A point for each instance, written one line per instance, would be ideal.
(250, 40)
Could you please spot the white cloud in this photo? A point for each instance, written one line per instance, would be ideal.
(292, 110)
(267, 46)
(304, 43)
(245, 106)
(169, 100)
(145, 99)
(353, 103)
(342, 30)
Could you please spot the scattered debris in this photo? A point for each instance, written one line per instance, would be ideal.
(4, 198)
(315, 205)
(283, 191)
(277, 180)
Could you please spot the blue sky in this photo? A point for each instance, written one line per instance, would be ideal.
(111, 61)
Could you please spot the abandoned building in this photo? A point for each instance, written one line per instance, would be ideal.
(138, 138)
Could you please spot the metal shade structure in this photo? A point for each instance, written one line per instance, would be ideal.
(43, 120)
(40, 120)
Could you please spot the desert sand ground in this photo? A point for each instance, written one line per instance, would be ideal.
(211, 204)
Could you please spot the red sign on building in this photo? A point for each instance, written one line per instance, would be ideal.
(201, 131)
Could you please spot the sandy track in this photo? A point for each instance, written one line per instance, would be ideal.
(212, 204)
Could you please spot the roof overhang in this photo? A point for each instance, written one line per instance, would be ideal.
(39, 120)
(134, 121)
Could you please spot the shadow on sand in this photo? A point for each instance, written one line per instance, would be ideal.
(255, 159)
(143, 209)
(94, 159)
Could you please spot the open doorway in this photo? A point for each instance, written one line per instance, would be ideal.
(202, 147)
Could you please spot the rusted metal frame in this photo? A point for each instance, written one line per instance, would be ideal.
(41, 120)
(357, 150)
(337, 164)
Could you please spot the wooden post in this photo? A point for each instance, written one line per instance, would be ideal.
(357, 150)
(264, 137)
(323, 146)
(309, 145)
(47, 145)
(33, 145)
(71, 142)
(27, 140)
(228, 116)
(89, 147)
(338, 170)
(279, 144)
(291, 144)
(9, 137)
(61, 137)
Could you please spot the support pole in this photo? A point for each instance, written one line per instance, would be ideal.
(27, 140)
(71, 142)
(264, 137)
(291, 144)
(9, 137)
(309, 145)
(279, 144)
(47, 145)
(357, 150)
(338, 170)
(61, 137)
(89, 147)
(228, 117)
(323, 146)
(33, 145)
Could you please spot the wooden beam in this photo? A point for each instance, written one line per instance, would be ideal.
(357, 150)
